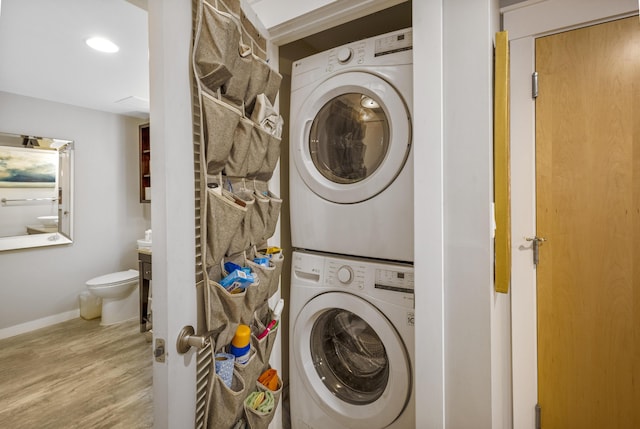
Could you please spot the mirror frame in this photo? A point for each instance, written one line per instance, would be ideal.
(64, 183)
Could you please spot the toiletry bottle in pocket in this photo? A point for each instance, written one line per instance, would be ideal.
(240, 345)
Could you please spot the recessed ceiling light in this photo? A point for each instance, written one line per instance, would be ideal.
(369, 102)
(103, 45)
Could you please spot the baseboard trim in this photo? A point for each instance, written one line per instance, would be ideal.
(37, 324)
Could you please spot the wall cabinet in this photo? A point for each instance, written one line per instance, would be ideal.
(145, 163)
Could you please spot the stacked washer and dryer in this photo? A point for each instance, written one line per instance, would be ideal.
(352, 335)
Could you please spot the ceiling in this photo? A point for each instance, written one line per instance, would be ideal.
(43, 53)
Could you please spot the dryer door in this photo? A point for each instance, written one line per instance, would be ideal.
(351, 137)
(354, 363)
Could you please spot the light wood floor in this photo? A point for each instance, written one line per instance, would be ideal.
(77, 374)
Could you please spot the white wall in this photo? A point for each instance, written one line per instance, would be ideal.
(476, 324)
(428, 139)
(108, 218)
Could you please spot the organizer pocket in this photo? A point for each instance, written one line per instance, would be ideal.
(272, 86)
(258, 150)
(263, 346)
(217, 271)
(275, 204)
(224, 311)
(260, 218)
(269, 275)
(277, 261)
(234, 90)
(258, 419)
(263, 80)
(226, 405)
(265, 274)
(270, 160)
(266, 116)
(224, 216)
(220, 124)
(237, 165)
(216, 45)
(257, 82)
(250, 370)
(242, 237)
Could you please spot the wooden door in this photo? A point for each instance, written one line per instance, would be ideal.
(588, 209)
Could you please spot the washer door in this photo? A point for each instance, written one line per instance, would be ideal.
(351, 137)
(352, 361)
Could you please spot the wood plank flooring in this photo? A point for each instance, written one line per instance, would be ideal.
(77, 374)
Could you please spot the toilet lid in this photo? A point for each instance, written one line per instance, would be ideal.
(119, 277)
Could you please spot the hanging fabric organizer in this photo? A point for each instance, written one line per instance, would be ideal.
(240, 149)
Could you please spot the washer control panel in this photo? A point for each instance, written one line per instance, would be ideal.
(337, 273)
(391, 282)
(394, 280)
(345, 274)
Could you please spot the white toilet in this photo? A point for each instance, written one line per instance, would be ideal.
(119, 293)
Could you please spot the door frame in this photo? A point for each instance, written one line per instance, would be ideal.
(525, 22)
(174, 381)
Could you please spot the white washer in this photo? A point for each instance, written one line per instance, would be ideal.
(351, 172)
(352, 343)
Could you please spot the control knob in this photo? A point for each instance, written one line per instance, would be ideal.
(345, 274)
(344, 55)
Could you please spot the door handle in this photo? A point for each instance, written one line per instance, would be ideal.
(536, 242)
(187, 339)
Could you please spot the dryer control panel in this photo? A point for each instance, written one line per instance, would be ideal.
(354, 53)
(392, 43)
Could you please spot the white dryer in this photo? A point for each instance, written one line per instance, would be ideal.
(352, 343)
(351, 162)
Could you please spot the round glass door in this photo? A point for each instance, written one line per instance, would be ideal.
(351, 137)
(351, 360)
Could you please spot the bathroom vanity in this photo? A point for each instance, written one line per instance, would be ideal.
(144, 264)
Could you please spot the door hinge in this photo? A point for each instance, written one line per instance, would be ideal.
(534, 85)
(536, 242)
(538, 422)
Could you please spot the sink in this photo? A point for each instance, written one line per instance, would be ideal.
(48, 220)
(144, 244)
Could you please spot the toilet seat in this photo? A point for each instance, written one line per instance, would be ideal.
(114, 279)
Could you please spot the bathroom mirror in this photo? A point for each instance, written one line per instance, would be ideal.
(36, 191)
